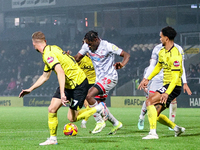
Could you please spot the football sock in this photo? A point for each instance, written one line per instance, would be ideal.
(53, 137)
(165, 121)
(176, 128)
(97, 116)
(112, 119)
(86, 114)
(143, 111)
(83, 110)
(53, 123)
(152, 116)
(172, 110)
(84, 121)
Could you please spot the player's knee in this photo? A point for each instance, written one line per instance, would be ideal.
(52, 109)
(72, 119)
(148, 102)
(90, 99)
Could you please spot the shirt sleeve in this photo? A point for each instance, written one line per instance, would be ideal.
(184, 74)
(155, 71)
(150, 68)
(84, 49)
(50, 61)
(114, 49)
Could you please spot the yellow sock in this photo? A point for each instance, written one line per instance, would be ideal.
(86, 114)
(53, 123)
(164, 120)
(83, 110)
(152, 116)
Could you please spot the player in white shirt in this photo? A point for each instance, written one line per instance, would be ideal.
(157, 82)
(102, 54)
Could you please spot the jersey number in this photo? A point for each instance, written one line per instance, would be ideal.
(106, 81)
(74, 103)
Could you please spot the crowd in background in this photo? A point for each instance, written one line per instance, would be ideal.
(21, 65)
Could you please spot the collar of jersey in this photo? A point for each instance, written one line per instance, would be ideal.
(44, 48)
(170, 49)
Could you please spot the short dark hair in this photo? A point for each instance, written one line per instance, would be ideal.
(169, 32)
(91, 35)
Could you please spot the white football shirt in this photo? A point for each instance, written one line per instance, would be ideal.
(103, 58)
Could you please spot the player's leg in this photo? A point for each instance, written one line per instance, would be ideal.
(86, 104)
(172, 111)
(53, 121)
(142, 116)
(143, 112)
(100, 123)
(96, 108)
(152, 115)
(166, 121)
(84, 121)
(116, 124)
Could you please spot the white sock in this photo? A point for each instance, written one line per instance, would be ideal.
(96, 115)
(176, 128)
(153, 131)
(83, 121)
(143, 111)
(112, 119)
(53, 138)
(172, 111)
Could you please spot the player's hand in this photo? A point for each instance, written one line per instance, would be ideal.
(143, 84)
(24, 92)
(68, 52)
(118, 65)
(64, 100)
(164, 98)
(187, 89)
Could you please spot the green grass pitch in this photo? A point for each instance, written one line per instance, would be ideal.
(23, 128)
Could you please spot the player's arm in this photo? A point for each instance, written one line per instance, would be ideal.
(175, 78)
(185, 85)
(78, 57)
(150, 68)
(42, 79)
(61, 80)
(148, 72)
(126, 56)
(155, 71)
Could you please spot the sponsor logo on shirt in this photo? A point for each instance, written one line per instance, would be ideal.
(50, 59)
(96, 57)
(176, 63)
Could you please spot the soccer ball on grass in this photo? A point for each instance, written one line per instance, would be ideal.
(70, 129)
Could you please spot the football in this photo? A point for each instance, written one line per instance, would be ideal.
(70, 129)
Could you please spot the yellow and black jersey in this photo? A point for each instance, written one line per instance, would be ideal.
(53, 55)
(86, 65)
(171, 62)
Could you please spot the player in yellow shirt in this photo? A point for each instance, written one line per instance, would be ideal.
(86, 65)
(170, 59)
(73, 84)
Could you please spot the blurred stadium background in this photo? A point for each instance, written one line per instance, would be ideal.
(133, 25)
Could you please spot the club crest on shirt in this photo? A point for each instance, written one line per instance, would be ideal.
(176, 63)
(50, 59)
(115, 48)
